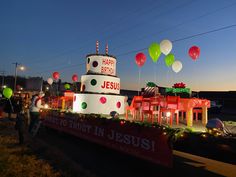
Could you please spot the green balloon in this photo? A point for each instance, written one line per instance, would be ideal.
(7, 92)
(154, 51)
(67, 86)
(169, 59)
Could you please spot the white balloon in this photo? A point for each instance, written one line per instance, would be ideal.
(166, 46)
(177, 66)
(50, 81)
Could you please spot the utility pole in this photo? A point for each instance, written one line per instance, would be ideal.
(16, 65)
(2, 74)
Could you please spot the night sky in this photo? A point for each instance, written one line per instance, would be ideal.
(56, 35)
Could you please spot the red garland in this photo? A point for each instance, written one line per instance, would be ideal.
(179, 85)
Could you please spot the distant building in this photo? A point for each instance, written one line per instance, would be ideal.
(34, 84)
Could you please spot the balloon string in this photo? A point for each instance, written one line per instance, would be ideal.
(155, 73)
(12, 109)
(139, 75)
(198, 84)
(50, 90)
(57, 94)
(75, 86)
(167, 78)
(57, 88)
(171, 78)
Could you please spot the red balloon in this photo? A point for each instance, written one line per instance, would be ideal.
(75, 78)
(140, 59)
(194, 52)
(56, 75)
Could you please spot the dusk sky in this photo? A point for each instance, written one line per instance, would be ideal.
(56, 35)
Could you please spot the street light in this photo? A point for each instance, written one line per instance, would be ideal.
(21, 67)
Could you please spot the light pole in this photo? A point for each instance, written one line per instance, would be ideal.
(2, 73)
(21, 68)
(16, 64)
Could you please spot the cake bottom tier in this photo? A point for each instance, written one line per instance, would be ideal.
(98, 103)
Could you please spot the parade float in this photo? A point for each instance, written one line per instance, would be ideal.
(95, 112)
(96, 115)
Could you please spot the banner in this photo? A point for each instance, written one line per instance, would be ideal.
(144, 142)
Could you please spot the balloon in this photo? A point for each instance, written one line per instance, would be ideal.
(56, 75)
(7, 92)
(140, 59)
(177, 66)
(169, 59)
(166, 46)
(194, 52)
(50, 81)
(67, 86)
(154, 51)
(75, 78)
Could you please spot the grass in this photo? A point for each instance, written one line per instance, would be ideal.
(36, 159)
(19, 161)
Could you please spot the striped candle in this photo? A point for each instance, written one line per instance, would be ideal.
(107, 49)
(97, 47)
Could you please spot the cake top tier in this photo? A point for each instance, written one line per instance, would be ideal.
(104, 55)
(101, 64)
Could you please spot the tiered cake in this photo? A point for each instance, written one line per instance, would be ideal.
(100, 87)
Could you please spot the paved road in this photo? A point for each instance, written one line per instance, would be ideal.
(214, 166)
(104, 162)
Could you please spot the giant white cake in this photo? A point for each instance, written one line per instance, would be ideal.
(100, 87)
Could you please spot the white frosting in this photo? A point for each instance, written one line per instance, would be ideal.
(101, 64)
(98, 103)
(100, 84)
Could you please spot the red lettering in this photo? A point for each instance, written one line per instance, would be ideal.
(108, 85)
(104, 83)
(111, 62)
(111, 85)
(108, 62)
(107, 70)
(103, 62)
